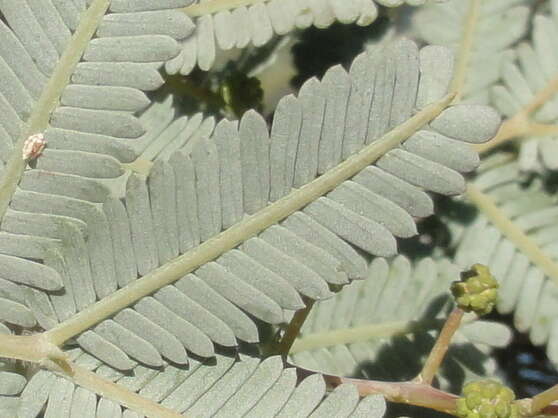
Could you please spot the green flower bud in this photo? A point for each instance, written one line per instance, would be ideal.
(487, 411)
(502, 410)
(486, 399)
(461, 407)
(490, 390)
(474, 400)
(507, 394)
(477, 290)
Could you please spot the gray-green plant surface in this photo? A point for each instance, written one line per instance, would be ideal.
(147, 255)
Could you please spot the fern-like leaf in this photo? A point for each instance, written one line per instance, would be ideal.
(389, 318)
(85, 107)
(222, 25)
(142, 253)
(480, 33)
(246, 387)
(527, 95)
(185, 201)
(513, 234)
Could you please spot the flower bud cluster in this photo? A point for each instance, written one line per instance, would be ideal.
(487, 399)
(477, 291)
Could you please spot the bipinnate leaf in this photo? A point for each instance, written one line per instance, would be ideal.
(220, 387)
(513, 233)
(380, 327)
(223, 25)
(480, 33)
(183, 204)
(151, 260)
(527, 95)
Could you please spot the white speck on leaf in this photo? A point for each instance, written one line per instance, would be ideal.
(33, 146)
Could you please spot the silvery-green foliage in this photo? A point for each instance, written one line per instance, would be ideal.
(93, 122)
(507, 66)
(526, 268)
(255, 23)
(162, 240)
(360, 329)
(220, 387)
(512, 231)
(202, 183)
(11, 383)
(489, 27)
(524, 78)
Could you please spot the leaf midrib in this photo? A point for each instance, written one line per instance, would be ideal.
(465, 49)
(362, 333)
(512, 128)
(50, 98)
(247, 228)
(511, 231)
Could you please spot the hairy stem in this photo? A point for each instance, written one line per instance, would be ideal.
(247, 228)
(50, 97)
(440, 348)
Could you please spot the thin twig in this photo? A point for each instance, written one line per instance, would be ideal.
(440, 348)
(411, 393)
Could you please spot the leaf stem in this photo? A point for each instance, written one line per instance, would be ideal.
(118, 393)
(510, 129)
(525, 244)
(520, 124)
(411, 393)
(440, 348)
(33, 348)
(362, 333)
(542, 96)
(50, 97)
(465, 49)
(245, 229)
(284, 346)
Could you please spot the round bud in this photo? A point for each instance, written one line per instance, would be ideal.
(477, 290)
(486, 399)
